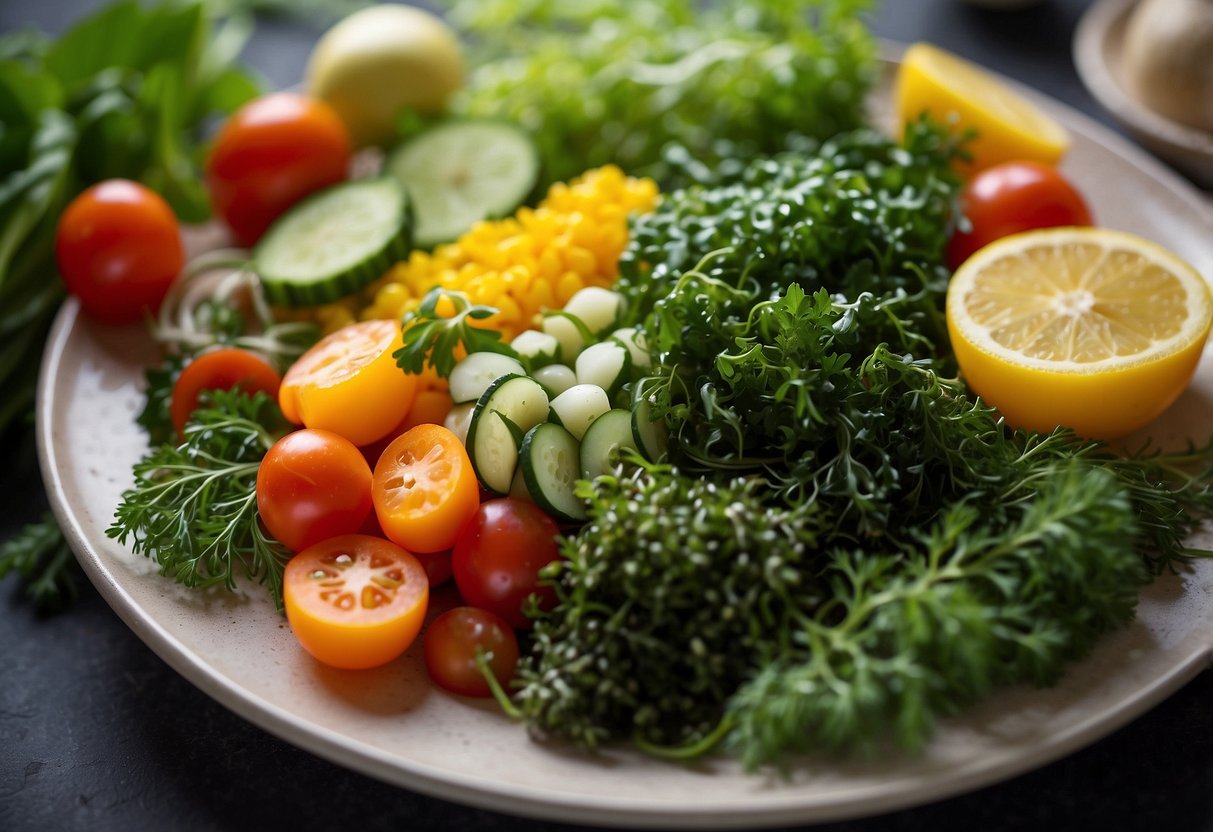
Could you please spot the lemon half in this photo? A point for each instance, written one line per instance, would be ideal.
(1089, 328)
(956, 92)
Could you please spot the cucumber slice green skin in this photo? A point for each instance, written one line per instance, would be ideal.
(650, 436)
(334, 243)
(462, 171)
(550, 462)
(604, 439)
(511, 406)
(474, 373)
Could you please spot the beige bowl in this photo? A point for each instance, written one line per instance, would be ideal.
(1098, 46)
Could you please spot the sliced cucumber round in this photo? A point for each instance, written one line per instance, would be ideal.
(651, 436)
(604, 439)
(474, 373)
(463, 171)
(510, 407)
(550, 462)
(334, 242)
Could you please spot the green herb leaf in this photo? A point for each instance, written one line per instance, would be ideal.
(42, 557)
(434, 339)
(193, 508)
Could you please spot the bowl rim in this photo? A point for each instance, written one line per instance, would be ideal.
(1099, 31)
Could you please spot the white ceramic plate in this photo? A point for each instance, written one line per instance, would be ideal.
(392, 724)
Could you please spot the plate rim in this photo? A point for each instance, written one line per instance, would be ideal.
(535, 803)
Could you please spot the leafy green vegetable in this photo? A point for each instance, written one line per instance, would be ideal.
(622, 83)
(193, 507)
(124, 93)
(434, 338)
(42, 557)
(847, 545)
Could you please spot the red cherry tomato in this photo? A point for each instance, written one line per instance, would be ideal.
(118, 246)
(220, 369)
(1014, 197)
(313, 485)
(437, 566)
(498, 555)
(271, 153)
(451, 643)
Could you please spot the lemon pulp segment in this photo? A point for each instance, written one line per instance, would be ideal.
(1093, 329)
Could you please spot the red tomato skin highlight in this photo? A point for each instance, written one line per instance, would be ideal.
(1013, 197)
(498, 555)
(118, 247)
(313, 485)
(270, 154)
(220, 369)
(450, 644)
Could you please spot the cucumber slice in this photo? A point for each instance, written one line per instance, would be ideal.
(473, 375)
(604, 438)
(555, 378)
(577, 408)
(463, 171)
(550, 465)
(607, 364)
(597, 308)
(334, 242)
(651, 437)
(510, 407)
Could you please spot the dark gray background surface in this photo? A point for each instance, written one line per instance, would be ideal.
(97, 733)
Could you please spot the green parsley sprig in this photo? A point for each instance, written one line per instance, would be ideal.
(434, 338)
(193, 507)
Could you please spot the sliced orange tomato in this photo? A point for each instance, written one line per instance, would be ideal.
(220, 369)
(424, 489)
(349, 383)
(355, 601)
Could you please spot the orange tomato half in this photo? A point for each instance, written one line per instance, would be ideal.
(349, 383)
(424, 489)
(355, 601)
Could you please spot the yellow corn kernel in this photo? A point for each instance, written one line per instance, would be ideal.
(568, 285)
(579, 261)
(542, 295)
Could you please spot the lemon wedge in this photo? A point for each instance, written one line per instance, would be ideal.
(1089, 328)
(956, 92)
